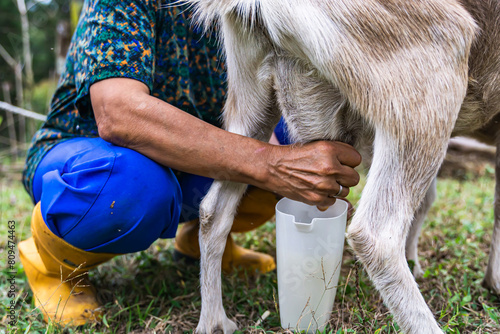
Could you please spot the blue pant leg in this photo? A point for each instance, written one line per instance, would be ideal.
(104, 198)
(281, 132)
(194, 188)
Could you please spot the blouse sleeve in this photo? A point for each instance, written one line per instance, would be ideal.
(115, 38)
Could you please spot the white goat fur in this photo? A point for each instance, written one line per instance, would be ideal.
(391, 72)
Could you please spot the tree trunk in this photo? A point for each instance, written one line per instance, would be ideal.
(28, 67)
(63, 39)
(18, 70)
(27, 56)
(11, 126)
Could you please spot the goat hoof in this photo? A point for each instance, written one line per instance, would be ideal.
(492, 285)
(224, 326)
(417, 271)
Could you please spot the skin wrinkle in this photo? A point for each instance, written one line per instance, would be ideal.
(396, 79)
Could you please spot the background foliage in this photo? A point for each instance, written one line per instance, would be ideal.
(51, 23)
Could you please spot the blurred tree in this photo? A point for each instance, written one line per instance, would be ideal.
(10, 42)
(50, 23)
(47, 20)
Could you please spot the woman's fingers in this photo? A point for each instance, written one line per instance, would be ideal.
(347, 155)
(314, 173)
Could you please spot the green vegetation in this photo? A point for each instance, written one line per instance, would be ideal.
(147, 292)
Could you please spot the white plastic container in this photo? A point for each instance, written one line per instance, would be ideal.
(309, 246)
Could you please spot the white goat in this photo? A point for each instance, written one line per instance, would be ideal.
(405, 74)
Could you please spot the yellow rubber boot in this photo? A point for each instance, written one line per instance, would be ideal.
(256, 208)
(57, 275)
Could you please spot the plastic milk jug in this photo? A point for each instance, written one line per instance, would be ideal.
(309, 245)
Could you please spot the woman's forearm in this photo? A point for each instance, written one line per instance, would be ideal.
(173, 137)
(128, 116)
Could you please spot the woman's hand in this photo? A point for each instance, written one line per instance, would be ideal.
(313, 173)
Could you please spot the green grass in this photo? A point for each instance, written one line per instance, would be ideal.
(148, 292)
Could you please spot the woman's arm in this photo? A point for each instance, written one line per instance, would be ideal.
(127, 115)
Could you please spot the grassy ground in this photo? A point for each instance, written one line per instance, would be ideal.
(147, 292)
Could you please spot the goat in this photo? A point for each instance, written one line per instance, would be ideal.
(406, 75)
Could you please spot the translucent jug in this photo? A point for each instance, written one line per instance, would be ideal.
(309, 245)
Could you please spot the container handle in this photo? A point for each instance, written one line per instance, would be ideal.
(303, 227)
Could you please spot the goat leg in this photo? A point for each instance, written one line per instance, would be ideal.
(248, 111)
(217, 211)
(416, 227)
(492, 276)
(379, 230)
